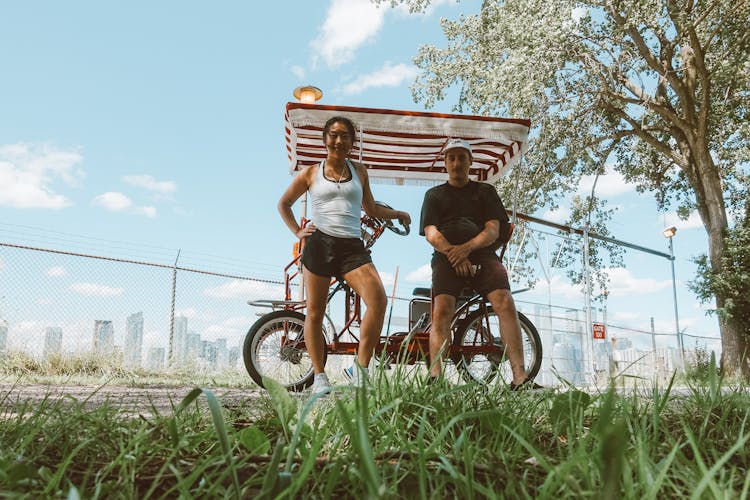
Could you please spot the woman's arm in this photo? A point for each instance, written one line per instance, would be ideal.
(368, 201)
(300, 184)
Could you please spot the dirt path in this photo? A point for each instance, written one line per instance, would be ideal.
(132, 400)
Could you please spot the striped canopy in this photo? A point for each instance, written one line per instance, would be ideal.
(401, 147)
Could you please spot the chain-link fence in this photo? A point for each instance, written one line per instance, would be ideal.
(160, 317)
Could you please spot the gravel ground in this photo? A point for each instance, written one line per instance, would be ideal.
(131, 400)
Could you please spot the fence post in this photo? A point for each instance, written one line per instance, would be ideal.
(587, 338)
(171, 310)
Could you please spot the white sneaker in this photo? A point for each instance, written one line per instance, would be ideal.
(321, 385)
(357, 376)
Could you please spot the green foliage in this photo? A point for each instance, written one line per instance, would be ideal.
(400, 438)
(733, 282)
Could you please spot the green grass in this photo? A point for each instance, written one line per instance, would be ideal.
(400, 438)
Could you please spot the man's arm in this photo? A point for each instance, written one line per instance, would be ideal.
(485, 238)
(435, 238)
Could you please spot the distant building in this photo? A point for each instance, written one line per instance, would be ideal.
(156, 357)
(53, 340)
(3, 337)
(193, 350)
(133, 340)
(179, 343)
(234, 356)
(104, 336)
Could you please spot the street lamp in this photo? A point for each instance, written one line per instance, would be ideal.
(669, 234)
(308, 94)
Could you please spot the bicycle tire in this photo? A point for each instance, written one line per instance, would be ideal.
(483, 368)
(264, 356)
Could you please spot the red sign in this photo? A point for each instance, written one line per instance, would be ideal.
(600, 331)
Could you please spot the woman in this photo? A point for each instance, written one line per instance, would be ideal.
(338, 189)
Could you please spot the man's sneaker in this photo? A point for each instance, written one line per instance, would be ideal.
(356, 376)
(321, 385)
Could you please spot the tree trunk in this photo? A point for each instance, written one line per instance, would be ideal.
(735, 356)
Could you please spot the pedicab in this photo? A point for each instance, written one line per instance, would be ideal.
(402, 148)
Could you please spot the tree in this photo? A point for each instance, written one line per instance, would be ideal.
(660, 88)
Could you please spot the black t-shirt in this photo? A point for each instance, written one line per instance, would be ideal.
(460, 213)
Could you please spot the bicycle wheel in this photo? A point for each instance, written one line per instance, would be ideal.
(473, 331)
(264, 355)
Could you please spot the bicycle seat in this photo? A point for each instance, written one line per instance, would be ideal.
(422, 292)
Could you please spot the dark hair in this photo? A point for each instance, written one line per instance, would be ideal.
(340, 119)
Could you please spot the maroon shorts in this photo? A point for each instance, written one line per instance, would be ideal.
(490, 276)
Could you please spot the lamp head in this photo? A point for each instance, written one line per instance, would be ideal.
(669, 232)
(308, 94)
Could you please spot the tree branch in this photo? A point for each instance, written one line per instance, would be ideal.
(652, 61)
(648, 138)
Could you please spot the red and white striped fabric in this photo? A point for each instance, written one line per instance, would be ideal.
(401, 147)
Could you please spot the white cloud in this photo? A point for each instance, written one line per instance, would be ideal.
(623, 283)
(623, 316)
(693, 221)
(348, 25)
(149, 183)
(609, 185)
(189, 313)
(112, 201)
(29, 171)
(56, 271)
(423, 274)
(298, 71)
(231, 328)
(149, 212)
(559, 215)
(388, 76)
(118, 202)
(387, 279)
(246, 289)
(95, 290)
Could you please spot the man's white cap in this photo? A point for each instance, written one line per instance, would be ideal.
(457, 143)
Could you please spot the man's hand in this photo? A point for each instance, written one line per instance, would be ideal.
(465, 269)
(458, 253)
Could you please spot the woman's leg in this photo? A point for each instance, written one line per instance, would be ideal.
(366, 281)
(316, 288)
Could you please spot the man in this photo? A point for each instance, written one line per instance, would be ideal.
(462, 220)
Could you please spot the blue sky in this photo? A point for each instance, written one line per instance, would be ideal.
(135, 129)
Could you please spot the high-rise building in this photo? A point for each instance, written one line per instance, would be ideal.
(3, 336)
(179, 344)
(222, 353)
(156, 358)
(133, 340)
(193, 347)
(104, 336)
(52, 340)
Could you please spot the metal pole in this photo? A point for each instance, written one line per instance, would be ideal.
(171, 358)
(588, 340)
(674, 298)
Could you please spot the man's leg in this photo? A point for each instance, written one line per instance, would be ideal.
(443, 308)
(366, 281)
(510, 331)
(316, 288)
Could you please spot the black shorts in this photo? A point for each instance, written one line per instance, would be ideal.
(490, 276)
(327, 255)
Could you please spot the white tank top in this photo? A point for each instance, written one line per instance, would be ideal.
(336, 206)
